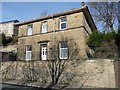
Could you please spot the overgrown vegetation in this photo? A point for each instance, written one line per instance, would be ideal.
(105, 45)
(2, 39)
(118, 42)
(7, 40)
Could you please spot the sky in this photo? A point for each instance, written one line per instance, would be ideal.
(29, 10)
(23, 11)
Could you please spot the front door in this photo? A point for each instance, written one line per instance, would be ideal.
(44, 52)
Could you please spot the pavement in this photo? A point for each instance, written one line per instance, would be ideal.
(25, 83)
(29, 84)
(17, 87)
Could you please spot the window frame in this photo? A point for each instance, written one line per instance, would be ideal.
(28, 52)
(63, 57)
(28, 29)
(42, 27)
(65, 22)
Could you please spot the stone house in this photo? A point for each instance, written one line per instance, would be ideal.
(37, 36)
(8, 28)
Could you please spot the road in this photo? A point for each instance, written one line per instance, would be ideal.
(16, 87)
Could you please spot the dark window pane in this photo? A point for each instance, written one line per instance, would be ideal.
(63, 25)
(29, 48)
(64, 44)
(63, 19)
(30, 26)
(44, 45)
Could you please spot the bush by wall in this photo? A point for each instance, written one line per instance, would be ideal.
(7, 40)
(105, 45)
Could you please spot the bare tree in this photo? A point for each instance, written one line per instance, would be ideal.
(43, 13)
(29, 71)
(56, 66)
(106, 13)
(118, 15)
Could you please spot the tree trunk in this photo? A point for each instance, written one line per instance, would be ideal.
(111, 28)
(56, 80)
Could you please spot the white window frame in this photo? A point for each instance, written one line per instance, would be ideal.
(29, 31)
(44, 45)
(28, 53)
(65, 22)
(44, 27)
(62, 53)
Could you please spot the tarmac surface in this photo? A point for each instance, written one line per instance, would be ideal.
(18, 87)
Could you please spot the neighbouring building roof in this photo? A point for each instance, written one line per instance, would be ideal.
(84, 9)
(10, 21)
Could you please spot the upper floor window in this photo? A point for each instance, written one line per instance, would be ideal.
(63, 23)
(63, 50)
(44, 27)
(29, 32)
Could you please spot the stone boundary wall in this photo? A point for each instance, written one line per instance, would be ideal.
(117, 73)
(81, 73)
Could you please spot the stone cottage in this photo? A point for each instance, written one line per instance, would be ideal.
(37, 36)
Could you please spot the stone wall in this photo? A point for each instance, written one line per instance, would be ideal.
(117, 73)
(77, 27)
(80, 73)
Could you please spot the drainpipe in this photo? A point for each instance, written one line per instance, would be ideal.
(53, 36)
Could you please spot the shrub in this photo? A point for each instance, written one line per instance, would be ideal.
(118, 42)
(95, 40)
(109, 36)
(118, 38)
(104, 44)
(7, 40)
(2, 39)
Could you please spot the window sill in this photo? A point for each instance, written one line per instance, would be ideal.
(63, 29)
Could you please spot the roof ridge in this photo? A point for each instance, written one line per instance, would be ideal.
(52, 15)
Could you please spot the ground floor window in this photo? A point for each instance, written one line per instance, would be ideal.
(63, 50)
(28, 52)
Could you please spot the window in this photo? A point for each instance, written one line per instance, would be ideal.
(44, 27)
(28, 52)
(63, 50)
(63, 23)
(30, 26)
